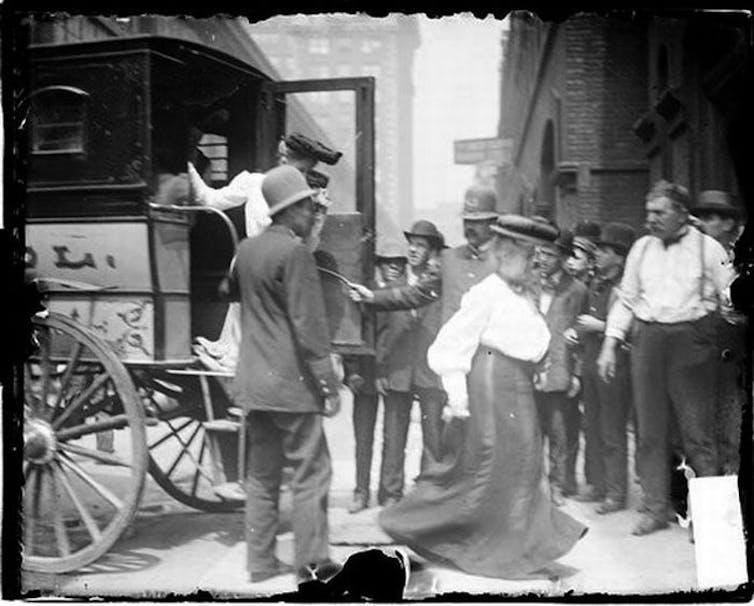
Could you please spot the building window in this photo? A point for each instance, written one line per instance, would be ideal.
(58, 120)
(319, 46)
(369, 45)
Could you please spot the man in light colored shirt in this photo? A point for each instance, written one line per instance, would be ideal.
(674, 282)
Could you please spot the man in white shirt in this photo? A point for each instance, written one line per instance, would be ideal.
(675, 281)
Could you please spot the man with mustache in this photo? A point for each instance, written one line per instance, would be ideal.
(675, 282)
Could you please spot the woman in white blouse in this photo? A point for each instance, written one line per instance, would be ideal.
(484, 506)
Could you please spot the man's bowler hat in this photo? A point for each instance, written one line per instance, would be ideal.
(426, 229)
(525, 229)
(618, 236)
(283, 186)
(301, 145)
(715, 201)
(480, 204)
(587, 229)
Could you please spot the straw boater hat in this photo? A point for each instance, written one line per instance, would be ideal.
(428, 230)
(480, 204)
(283, 186)
(525, 229)
(715, 201)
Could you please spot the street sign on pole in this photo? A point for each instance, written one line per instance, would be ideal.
(476, 151)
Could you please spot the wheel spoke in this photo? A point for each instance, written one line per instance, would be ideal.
(94, 454)
(89, 522)
(44, 365)
(184, 450)
(71, 365)
(29, 397)
(195, 481)
(96, 486)
(31, 506)
(80, 399)
(170, 434)
(64, 547)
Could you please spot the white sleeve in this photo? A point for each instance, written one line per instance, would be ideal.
(622, 312)
(721, 271)
(454, 347)
(232, 195)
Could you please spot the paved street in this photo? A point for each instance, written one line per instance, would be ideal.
(172, 549)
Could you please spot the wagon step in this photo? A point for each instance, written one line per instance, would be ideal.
(223, 425)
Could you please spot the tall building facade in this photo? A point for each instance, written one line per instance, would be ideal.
(340, 46)
(599, 108)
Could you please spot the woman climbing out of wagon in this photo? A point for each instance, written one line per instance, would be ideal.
(245, 189)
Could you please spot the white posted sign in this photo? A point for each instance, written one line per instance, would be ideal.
(475, 151)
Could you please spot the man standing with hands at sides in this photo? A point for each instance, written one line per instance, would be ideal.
(606, 405)
(285, 381)
(675, 281)
(556, 382)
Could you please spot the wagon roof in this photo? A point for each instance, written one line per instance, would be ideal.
(183, 50)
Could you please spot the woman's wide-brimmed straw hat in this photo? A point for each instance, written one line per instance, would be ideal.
(526, 229)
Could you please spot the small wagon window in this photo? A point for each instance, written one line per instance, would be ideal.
(58, 120)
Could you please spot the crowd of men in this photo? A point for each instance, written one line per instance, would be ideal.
(642, 334)
(656, 351)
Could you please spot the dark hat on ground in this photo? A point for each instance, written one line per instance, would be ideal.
(715, 201)
(283, 186)
(618, 236)
(316, 179)
(390, 250)
(587, 229)
(302, 145)
(426, 229)
(479, 204)
(525, 228)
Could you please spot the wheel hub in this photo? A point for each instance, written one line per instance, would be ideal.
(40, 443)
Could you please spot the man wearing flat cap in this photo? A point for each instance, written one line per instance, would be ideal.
(402, 371)
(606, 405)
(581, 262)
(285, 379)
(674, 285)
(557, 380)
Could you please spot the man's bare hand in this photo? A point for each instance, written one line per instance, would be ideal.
(360, 293)
(606, 360)
(381, 386)
(589, 323)
(332, 405)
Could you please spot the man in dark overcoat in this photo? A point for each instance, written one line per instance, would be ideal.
(285, 379)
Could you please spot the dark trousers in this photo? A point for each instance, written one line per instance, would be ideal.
(606, 408)
(673, 373)
(395, 433)
(364, 420)
(559, 421)
(731, 395)
(277, 439)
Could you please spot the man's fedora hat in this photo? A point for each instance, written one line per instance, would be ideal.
(525, 229)
(301, 145)
(480, 204)
(715, 201)
(426, 229)
(618, 236)
(390, 250)
(283, 186)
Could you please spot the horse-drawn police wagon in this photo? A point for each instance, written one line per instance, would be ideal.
(130, 268)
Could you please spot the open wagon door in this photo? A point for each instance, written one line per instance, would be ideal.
(340, 113)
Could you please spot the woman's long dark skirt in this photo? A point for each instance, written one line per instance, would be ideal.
(484, 507)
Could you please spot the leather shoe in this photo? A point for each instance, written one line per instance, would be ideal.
(556, 496)
(610, 506)
(360, 503)
(647, 525)
(279, 568)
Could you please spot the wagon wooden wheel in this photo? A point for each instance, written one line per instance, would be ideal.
(187, 460)
(85, 455)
